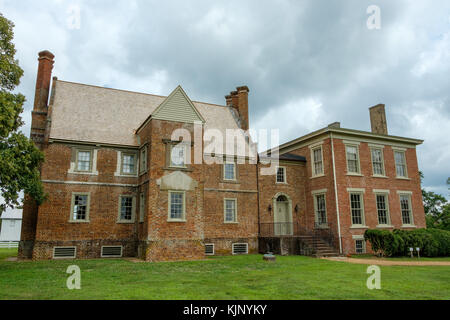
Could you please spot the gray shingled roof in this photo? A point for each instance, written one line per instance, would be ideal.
(94, 114)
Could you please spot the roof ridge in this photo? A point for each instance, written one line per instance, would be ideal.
(130, 91)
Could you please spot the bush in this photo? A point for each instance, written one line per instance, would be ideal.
(432, 242)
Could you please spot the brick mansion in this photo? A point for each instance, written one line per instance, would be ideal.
(121, 184)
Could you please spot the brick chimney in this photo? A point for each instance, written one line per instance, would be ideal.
(239, 100)
(378, 119)
(40, 109)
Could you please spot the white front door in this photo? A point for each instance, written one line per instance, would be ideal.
(282, 219)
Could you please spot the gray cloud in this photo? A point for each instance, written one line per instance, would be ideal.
(307, 63)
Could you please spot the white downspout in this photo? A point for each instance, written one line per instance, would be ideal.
(336, 195)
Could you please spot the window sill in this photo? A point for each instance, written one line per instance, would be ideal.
(359, 227)
(321, 227)
(177, 220)
(282, 183)
(225, 222)
(229, 181)
(143, 172)
(86, 173)
(354, 174)
(125, 222)
(402, 178)
(78, 221)
(318, 176)
(408, 226)
(378, 176)
(385, 226)
(125, 175)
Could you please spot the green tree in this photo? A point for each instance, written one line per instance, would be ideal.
(19, 158)
(437, 209)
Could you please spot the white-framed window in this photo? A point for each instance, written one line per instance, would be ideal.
(209, 249)
(143, 159)
(317, 157)
(352, 153)
(177, 206)
(79, 211)
(406, 209)
(178, 155)
(357, 208)
(281, 174)
(127, 205)
(83, 160)
(229, 171)
(400, 164)
(360, 246)
(129, 163)
(377, 161)
(382, 202)
(230, 210)
(141, 206)
(320, 206)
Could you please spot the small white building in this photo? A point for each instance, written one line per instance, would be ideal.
(11, 225)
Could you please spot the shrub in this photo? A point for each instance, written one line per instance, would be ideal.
(432, 242)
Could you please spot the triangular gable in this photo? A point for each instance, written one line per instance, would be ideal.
(177, 107)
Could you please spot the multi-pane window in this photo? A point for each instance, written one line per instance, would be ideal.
(176, 205)
(80, 207)
(377, 161)
(352, 159)
(318, 161)
(230, 210)
(84, 160)
(400, 164)
(281, 175)
(126, 208)
(321, 210)
(143, 160)
(357, 210)
(360, 246)
(141, 207)
(229, 171)
(382, 209)
(405, 206)
(178, 155)
(128, 163)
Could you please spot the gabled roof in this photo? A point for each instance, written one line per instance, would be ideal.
(91, 114)
(177, 107)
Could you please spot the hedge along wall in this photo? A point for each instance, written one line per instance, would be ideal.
(432, 242)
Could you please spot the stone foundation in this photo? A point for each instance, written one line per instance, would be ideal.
(173, 250)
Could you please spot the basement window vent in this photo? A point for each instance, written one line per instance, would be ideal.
(240, 248)
(64, 252)
(111, 251)
(209, 249)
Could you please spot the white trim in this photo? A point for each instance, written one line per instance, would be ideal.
(382, 162)
(376, 146)
(88, 207)
(364, 248)
(383, 191)
(356, 190)
(358, 237)
(234, 171)
(401, 149)
(73, 164)
(118, 172)
(314, 174)
(351, 142)
(336, 194)
(225, 212)
(183, 219)
(316, 144)
(213, 249)
(356, 145)
(133, 209)
(284, 175)
(319, 191)
(404, 192)
(362, 208)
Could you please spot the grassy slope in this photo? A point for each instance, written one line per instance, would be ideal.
(239, 277)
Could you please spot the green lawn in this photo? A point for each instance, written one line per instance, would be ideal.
(371, 256)
(238, 277)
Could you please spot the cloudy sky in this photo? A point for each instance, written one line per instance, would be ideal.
(307, 63)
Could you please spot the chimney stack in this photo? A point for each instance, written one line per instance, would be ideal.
(40, 109)
(239, 100)
(378, 119)
(44, 77)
